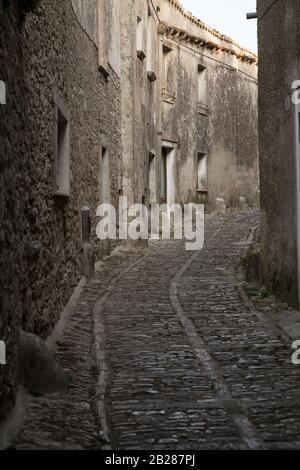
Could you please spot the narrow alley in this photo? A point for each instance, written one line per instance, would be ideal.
(124, 124)
(182, 362)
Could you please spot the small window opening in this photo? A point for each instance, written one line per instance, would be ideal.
(202, 89)
(202, 173)
(140, 39)
(105, 176)
(62, 183)
(2, 92)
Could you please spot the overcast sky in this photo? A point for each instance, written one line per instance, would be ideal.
(228, 17)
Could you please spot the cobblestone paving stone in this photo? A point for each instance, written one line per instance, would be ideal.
(255, 363)
(186, 364)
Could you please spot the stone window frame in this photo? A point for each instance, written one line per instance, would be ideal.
(200, 156)
(61, 114)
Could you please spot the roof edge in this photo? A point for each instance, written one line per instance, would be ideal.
(209, 29)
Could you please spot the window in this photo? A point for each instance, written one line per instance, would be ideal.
(2, 92)
(105, 176)
(102, 33)
(163, 174)
(2, 353)
(167, 173)
(152, 178)
(140, 39)
(202, 176)
(150, 51)
(202, 88)
(167, 62)
(62, 157)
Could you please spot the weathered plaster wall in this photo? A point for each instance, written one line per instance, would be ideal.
(13, 187)
(167, 109)
(60, 59)
(279, 52)
(227, 132)
(232, 135)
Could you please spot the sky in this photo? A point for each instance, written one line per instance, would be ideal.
(228, 17)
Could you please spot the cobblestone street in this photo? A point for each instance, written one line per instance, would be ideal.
(164, 351)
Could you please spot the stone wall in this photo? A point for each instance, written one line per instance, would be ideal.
(49, 60)
(279, 53)
(61, 61)
(13, 186)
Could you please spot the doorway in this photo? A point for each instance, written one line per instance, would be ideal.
(167, 174)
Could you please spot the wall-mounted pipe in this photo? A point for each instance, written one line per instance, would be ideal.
(252, 16)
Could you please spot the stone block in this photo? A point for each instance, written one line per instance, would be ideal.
(39, 371)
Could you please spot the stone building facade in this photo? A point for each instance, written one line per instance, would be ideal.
(61, 146)
(108, 98)
(190, 91)
(209, 92)
(279, 53)
(12, 189)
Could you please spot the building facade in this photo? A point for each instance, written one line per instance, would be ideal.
(279, 147)
(209, 92)
(61, 136)
(12, 188)
(73, 144)
(187, 92)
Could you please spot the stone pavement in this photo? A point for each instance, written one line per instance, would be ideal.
(164, 351)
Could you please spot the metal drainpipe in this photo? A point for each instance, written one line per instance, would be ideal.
(252, 16)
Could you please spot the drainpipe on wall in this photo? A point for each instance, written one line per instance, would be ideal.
(252, 16)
